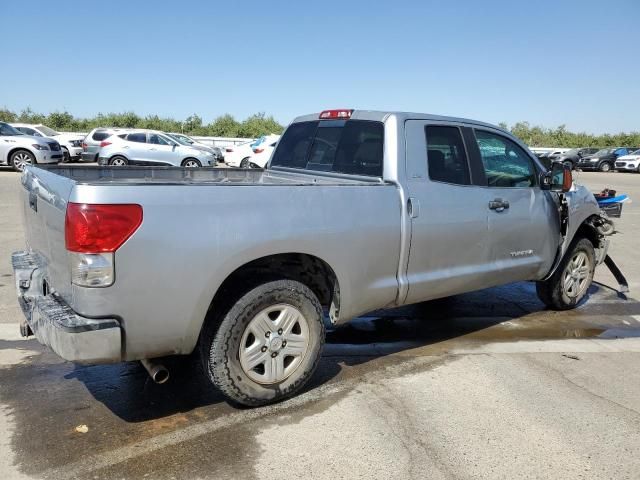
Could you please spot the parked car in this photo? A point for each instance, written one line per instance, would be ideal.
(629, 163)
(190, 142)
(149, 147)
(571, 157)
(357, 211)
(262, 152)
(18, 149)
(71, 143)
(604, 159)
(238, 155)
(91, 143)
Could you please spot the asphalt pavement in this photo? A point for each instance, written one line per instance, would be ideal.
(482, 385)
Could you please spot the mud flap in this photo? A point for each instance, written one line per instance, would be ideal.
(617, 274)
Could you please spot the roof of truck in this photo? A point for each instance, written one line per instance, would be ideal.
(381, 116)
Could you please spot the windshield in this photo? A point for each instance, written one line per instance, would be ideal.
(47, 132)
(637, 152)
(573, 151)
(602, 152)
(8, 130)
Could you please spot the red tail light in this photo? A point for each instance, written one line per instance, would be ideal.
(84, 147)
(332, 114)
(258, 150)
(100, 228)
(229, 150)
(104, 144)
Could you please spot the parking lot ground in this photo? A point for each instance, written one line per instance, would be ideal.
(482, 385)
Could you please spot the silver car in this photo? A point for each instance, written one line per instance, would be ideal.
(91, 143)
(190, 142)
(149, 147)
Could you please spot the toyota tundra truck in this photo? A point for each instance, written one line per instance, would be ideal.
(356, 211)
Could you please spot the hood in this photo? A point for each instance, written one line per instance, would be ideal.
(201, 148)
(629, 158)
(26, 140)
(68, 137)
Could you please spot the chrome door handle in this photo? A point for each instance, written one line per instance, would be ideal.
(498, 205)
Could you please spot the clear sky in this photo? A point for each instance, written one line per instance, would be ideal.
(549, 62)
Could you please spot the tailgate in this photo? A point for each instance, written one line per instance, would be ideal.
(44, 201)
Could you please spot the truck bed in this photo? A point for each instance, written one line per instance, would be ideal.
(184, 176)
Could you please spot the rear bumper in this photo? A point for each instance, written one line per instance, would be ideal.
(88, 157)
(54, 324)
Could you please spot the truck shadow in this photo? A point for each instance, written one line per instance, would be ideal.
(508, 313)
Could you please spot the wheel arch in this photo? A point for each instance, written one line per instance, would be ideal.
(307, 269)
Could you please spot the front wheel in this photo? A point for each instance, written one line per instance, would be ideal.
(571, 281)
(605, 167)
(118, 161)
(191, 163)
(267, 346)
(20, 159)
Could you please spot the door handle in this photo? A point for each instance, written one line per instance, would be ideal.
(498, 205)
(413, 207)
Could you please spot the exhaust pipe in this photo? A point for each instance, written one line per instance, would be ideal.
(156, 371)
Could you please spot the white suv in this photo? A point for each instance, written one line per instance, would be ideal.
(629, 163)
(70, 142)
(18, 149)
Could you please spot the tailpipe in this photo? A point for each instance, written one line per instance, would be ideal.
(156, 371)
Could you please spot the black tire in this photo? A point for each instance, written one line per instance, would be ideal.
(66, 156)
(17, 159)
(244, 163)
(191, 163)
(118, 161)
(553, 293)
(222, 338)
(605, 167)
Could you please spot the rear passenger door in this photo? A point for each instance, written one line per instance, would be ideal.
(523, 222)
(447, 203)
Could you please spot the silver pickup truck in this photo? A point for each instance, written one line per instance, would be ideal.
(356, 211)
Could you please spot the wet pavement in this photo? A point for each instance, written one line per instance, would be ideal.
(481, 385)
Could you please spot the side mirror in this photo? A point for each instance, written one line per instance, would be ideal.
(558, 178)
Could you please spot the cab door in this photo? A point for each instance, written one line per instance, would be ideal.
(523, 221)
(449, 251)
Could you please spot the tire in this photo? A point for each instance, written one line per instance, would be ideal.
(191, 163)
(66, 156)
(578, 265)
(20, 158)
(605, 167)
(245, 163)
(118, 161)
(245, 354)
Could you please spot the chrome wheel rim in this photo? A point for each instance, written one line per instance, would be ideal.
(20, 160)
(191, 164)
(118, 162)
(576, 275)
(274, 344)
(605, 167)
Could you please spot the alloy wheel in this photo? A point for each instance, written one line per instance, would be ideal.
(576, 275)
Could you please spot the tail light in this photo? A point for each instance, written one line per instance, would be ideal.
(258, 150)
(336, 114)
(84, 146)
(93, 232)
(104, 144)
(228, 150)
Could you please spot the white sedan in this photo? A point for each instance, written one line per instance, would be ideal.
(71, 143)
(262, 152)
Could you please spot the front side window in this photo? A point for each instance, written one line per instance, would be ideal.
(505, 163)
(8, 131)
(156, 139)
(29, 131)
(342, 146)
(446, 155)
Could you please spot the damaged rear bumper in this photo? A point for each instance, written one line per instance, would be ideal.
(55, 324)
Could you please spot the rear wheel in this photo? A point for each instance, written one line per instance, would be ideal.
(571, 281)
(191, 163)
(245, 163)
(66, 156)
(20, 159)
(118, 161)
(605, 167)
(267, 345)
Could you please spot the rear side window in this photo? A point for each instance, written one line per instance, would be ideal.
(343, 146)
(446, 155)
(100, 135)
(137, 137)
(505, 163)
